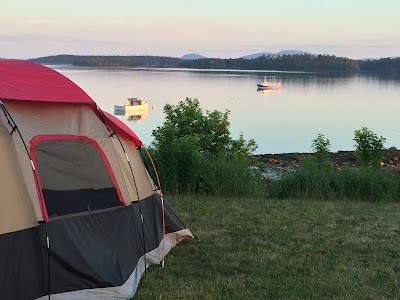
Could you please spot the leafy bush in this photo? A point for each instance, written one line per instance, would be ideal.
(195, 153)
(321, 145)
(369, 147)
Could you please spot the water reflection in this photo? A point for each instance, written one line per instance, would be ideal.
(267, 92)
(136, 116)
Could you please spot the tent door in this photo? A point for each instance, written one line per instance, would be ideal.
(74, 175)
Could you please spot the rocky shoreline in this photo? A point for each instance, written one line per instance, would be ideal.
(277, 163)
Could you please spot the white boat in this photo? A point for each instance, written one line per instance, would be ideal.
(268, 84)
(132, 104)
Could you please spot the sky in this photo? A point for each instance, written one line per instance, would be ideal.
(214, 28)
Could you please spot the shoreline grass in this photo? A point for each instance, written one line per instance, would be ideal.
(311, 181)
(281, 249)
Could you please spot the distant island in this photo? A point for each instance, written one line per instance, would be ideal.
(280, 53)
(288, 60)
(192, 56)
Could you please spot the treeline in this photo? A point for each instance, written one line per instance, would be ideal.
(111, 61)
(129, 61)
(298, 62)
(381, 65)
(302, 62)
(57, 59)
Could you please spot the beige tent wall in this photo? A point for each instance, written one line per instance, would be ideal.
(16, 211)
(36, 118)
(138, 169)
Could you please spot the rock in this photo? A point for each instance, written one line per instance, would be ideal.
(276, 164)
(298, 157)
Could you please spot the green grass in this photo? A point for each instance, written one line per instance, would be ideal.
(270, 249)
(313, 182)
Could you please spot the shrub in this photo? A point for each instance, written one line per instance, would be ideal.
(321, 145)
(369, 147)
(195, 153)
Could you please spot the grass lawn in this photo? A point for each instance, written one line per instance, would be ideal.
(268, 249)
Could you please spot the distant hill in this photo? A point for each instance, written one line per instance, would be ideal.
(255, 55)
(192, 56)
(293, 52)
(280, 53)
(366, 59)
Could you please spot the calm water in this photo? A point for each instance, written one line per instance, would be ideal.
(280, 121)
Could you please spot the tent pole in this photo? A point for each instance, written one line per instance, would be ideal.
(162, 208)
(48, 259)
(111, 134)
(14, 128)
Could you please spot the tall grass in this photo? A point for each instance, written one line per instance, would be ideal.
(193, 172)
(313, 182)
(224, 176)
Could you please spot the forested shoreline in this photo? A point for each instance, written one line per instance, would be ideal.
(298, 62)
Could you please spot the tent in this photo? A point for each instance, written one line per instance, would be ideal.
(80, 217)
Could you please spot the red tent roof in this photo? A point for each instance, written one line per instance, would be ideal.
(25, 80)
(29, 81)
(118, 124)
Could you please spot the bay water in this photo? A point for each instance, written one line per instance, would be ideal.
(280, 121)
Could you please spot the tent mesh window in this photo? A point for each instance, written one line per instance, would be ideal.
(74, 177)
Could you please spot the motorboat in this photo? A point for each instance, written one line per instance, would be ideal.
(132, 104)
